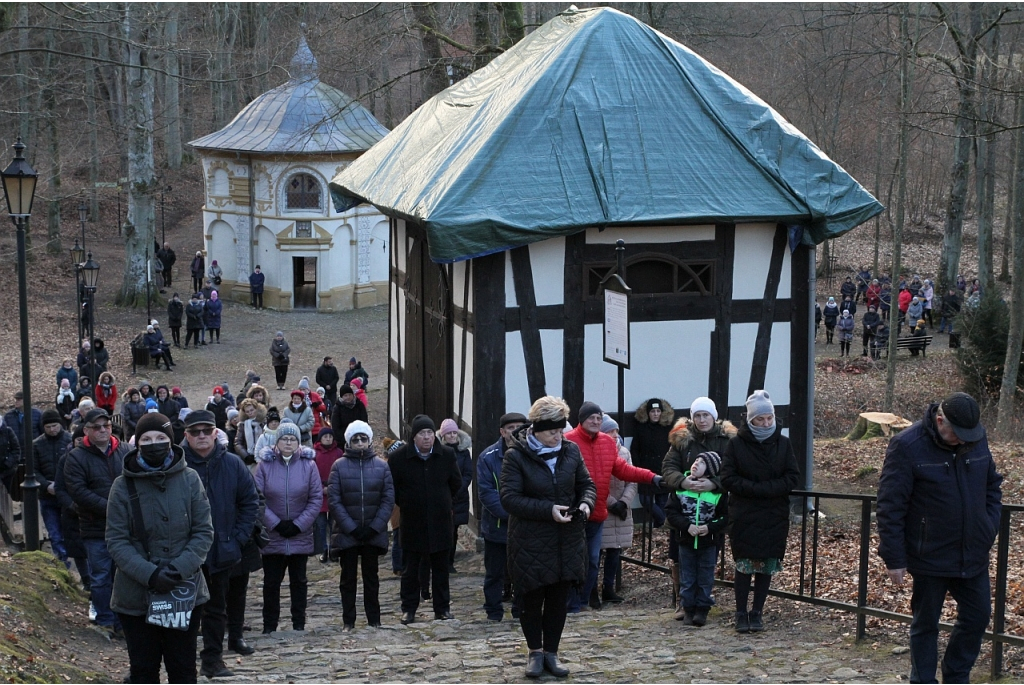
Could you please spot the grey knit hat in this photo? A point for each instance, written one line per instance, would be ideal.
(759, 404)
(288, 427)
(609, 424)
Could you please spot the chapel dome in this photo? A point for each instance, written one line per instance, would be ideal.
(303, 115)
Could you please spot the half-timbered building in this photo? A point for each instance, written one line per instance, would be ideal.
(506, 194)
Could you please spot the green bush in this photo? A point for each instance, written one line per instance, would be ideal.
(984, 332)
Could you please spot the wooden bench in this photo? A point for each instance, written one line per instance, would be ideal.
(910, 342)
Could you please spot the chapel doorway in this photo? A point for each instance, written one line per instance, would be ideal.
(304, 282)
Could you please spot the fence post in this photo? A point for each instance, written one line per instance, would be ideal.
(862, 574)
(999, 615)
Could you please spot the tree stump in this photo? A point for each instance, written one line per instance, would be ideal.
(876, 425)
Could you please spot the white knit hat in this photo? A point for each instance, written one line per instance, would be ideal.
(358, 428)
(704, 404)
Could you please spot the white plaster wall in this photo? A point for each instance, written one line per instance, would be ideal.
(741, 356)
(341, 268)
(551, 341)
(222, 248)
(753, 257)
(669, 359)
(547, 261)
(517, 390)
(459, 270)
(465, 410)
(651, 234)
(380, 243)
(268, 258)
(402, 254)
(510, 284)
(394, 409)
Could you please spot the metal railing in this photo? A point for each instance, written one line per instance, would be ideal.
(807, 584)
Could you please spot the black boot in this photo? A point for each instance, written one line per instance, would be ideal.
(535, 665)
(754, 618)
(552, 666)
(742, 622)
(700, 616)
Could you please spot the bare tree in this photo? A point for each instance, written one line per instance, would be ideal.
(172, 106)
(1011, 366)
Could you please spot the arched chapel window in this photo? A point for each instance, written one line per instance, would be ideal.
(302, 192)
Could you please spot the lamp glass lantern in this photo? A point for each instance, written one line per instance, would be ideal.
(83, 212)
(90, 273)
(19, 179)
(77, 254)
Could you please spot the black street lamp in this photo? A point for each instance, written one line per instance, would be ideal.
(83, 216)
(90, 276)
(19, 180)
(77, 257)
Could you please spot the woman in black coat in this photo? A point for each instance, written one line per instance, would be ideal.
(548, 493)
(759, 471)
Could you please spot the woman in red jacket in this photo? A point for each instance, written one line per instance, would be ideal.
(106, 392)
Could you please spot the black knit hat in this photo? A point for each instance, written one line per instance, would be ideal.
(712, 461)
(51, 415)
(511, 417)
(273, 414)
(589, 409)
(421, 422)
(154, 422)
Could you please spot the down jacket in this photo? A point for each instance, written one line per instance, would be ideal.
(177, 524)
(540, 551)
(361, 493)
(493, 517)
(293, 493)
(687, 442)
(48, 452)
(325, 459)
(618, 533)
(759, 477)
(460, 502)
(938, 507)
(88, 476)
(650, 440)
(600, 453)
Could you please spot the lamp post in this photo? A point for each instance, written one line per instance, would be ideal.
(77, 257)
(90, 276)
(19, 180)
(83, 216)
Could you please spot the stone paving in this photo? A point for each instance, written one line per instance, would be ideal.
(620, 643)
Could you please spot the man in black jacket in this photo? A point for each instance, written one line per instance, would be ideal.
(167, 258)
(48, 449)
(233, 505)
(347, 410)
(426, 477)
(89, 471)
(327, 378)
(939, 503)
(15, 419)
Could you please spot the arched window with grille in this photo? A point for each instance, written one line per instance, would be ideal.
(302, 192)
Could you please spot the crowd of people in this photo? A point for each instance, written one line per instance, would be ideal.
(915, 301)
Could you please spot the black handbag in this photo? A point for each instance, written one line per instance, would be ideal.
(166, 609)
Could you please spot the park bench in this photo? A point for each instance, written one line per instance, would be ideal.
(909, 343)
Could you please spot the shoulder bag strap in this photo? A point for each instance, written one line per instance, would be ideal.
(137, 514)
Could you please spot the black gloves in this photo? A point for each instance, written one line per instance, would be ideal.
(164, 579)
(287, 529)
(363, 533)
(619, 509)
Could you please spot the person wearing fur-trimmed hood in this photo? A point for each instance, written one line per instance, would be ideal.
(650, 443)
(288, 477)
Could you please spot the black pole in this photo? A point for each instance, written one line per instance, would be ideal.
(81, 220)
(163, 222)
(92, 333)
(30, 488)
(78, 304)
(119, 212)
(620, 254)
(149, 266)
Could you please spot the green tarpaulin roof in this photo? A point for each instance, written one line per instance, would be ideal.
(596, 119)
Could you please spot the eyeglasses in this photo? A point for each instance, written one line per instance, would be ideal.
(287, 438)
(196, 432)
(99, 426)
(358, 438)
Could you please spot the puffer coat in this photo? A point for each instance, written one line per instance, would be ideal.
(687, 442)
(212, 314)
(303, 418)
(540, 550)
(759, 477)
(293, 493)
(460, 502)
(193, 316)
(600, 454)
(618, 533)
(48, 452)
(178, 526)
(360, 492)
(650, 440)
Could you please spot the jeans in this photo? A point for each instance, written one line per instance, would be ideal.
(543, 616)
(101, 574)
(612, 566)
(973, 604)
(51, 517)
(320, 533)
(274, 566)
(148, 645)
(495, 560)
(367, 555)
(439, 580)
(942, 324)
(215, 616)
(697, 575)
(593, 561)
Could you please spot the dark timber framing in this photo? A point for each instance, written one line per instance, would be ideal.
(461, 315)
(799, 355)
(721, 337)
(526, 298)
(573, 322)
(488, 348)
(762, 345)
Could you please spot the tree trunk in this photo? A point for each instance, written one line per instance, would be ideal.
(985, 156)
(140, 226)
(53, 139)
(93, 126)
(1011, 365)
(172, 108)
(1011, 189)
(24, 66)
(481, 33)
(513, 29)
(906, 79)
(435, 78)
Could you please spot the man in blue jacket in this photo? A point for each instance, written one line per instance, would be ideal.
(233, 505)
(256, 281)
(494, 518)
(938, 514)
(15, 418)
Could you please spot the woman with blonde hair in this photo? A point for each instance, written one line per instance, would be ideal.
(548, 493)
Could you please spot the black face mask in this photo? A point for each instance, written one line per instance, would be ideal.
(155, 453)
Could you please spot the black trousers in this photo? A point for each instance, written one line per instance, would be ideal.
(193, 335)
(350, 558)
(438, 581)
(176, 334)
(238, 585)
(212, 331)
(543, 616)
(167, 278)
(281, 372)
(274, 566)
(197, 283)
(215, 616)
(257, 300)
(148, 645)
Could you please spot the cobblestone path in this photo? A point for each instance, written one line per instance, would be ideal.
(619, 643)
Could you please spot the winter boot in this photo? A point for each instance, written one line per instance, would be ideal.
(700, 616)
(688, 613)
(742, 622)
(754, 619)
